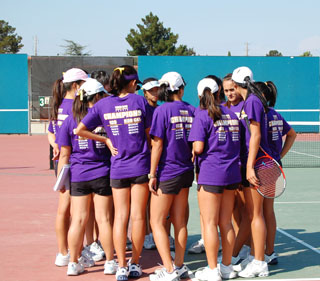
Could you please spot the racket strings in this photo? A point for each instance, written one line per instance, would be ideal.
(270, 177)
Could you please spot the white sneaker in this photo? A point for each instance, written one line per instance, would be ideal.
(206, 273)
(122, 274)
(272, 259)
(74, 269)
(110, 267)
(227, 272)
(96, 251)
(182, 271)
(197, 247)
(85, 262)
(236, 260)
(135, 270)
(255, 269)
(242, 265)
(244, 252)
(62, 260)
(149, 242)
(164, 275)
(171, 241)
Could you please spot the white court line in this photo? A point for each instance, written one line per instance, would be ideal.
(9, 110)
(298, 240)
(305, 154)
(295, 202)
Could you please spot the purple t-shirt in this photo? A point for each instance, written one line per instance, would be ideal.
(172, 122)
(254, 110)
(125, 121)
(65, 109)
(89, 159)
(219, 161)
(277, 128)
(191, 107)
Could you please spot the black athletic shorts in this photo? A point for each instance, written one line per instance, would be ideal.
(173, 186)
(100, 186)
(123, 183)
(244, 181)
(217, 188)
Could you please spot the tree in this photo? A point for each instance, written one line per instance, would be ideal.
(74, 49)
(10, 42)
(274, 53)
(229, 54)
(306, 54)
(152, 38)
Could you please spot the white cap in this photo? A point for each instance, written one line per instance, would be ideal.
(240, 73)
(207, 83)
(91, 87)
(173, 80)
(149, 85)
(74, 74)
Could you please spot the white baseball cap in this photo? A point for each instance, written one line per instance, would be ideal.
(74, 74)
(91, 87)
(149, 85)
(207, 83)
(240, 73)
(173, 80)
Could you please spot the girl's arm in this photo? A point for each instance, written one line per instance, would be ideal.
(157, 146)
(63, 160)
(55, 146)
(290, 138)
(253, 151)
(82, 131)
(198, 147)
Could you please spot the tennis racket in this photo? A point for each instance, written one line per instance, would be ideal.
(272, 180)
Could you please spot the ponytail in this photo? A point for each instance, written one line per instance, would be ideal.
(209, 101)
(121, 77)
(81, 104)
(269, 91)
(58, 94)
(252, 89)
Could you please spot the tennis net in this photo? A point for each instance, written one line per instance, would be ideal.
(305, 152)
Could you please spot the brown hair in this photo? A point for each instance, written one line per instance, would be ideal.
(210, 101)
(58, 93)
(120, 78)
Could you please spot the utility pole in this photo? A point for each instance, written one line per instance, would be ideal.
(247, 49)
(36, 45)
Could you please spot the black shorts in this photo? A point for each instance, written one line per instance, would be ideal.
(244, 180)
(100, 186)
(123, 183)
(217, 188)
(173, 186)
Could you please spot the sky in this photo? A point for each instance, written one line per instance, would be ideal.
(210, 27)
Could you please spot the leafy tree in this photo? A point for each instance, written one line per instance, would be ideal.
(229, 54)
(306, 54)
(10, 42)
(152, 38)
(74, 49)
(274, 53)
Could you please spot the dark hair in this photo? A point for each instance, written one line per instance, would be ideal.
(269, 91)
(120, 78)
(149, 80)
(101, 76)
(253, 90)
(209, 101)
(166, 95)
(80, 107)
(220, 85)
(68, 86)
(58, 94)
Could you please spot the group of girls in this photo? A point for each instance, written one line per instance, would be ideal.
(151, 150)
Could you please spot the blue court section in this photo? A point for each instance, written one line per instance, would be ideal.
(297, 78)
(14, 94)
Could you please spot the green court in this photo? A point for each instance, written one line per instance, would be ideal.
(298, 221)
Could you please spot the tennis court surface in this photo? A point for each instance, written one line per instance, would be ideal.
(28, 206)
